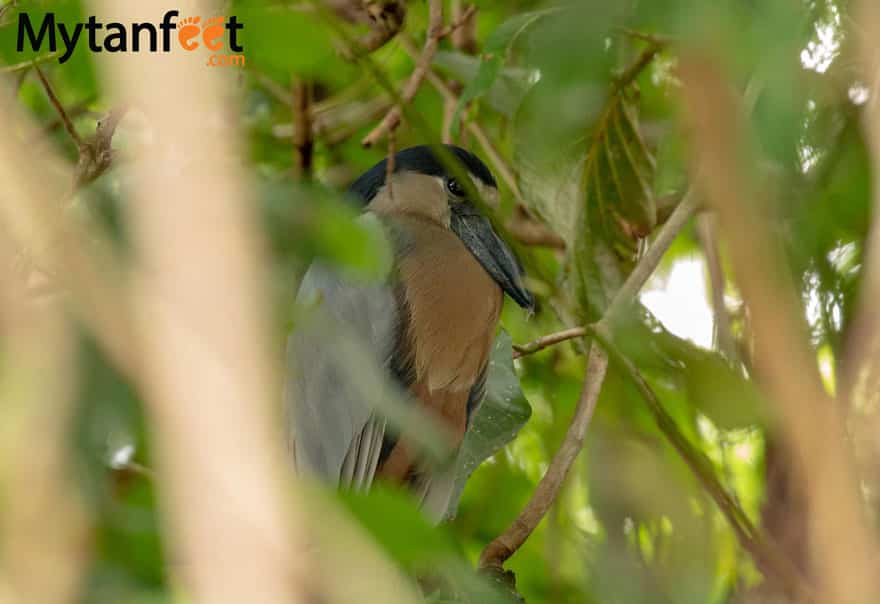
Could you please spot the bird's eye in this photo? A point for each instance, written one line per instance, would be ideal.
(454, 187)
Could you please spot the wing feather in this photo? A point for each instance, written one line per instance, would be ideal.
(335, 432)
(367, 454)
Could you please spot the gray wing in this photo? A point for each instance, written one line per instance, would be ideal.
(350, 329)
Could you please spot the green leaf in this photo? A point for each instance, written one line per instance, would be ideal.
(503, 95)
(618, 206)
(304, 222)
(694, 379)
(395, 521)
(75, 80)
(269, 32)
(497, 420)
(726, 397)
(494, 55)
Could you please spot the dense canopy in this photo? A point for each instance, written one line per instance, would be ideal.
(646, 437)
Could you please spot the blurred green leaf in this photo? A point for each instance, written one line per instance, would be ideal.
(493, 57)
(269, 29)
(503, 95)
(305, 222)
(721, 393)
(394, 519)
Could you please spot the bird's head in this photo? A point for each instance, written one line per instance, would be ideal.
(431, 184)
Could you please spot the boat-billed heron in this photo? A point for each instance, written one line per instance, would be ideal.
(429, 326)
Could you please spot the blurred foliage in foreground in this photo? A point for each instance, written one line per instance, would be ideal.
(582, 103)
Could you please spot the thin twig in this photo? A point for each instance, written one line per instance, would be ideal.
(446, 134)
(504, 546)
(501, 166)
(75, 111)
(464, 38)
(537, 234)
(657, 39)
(303, 143)
(26, 65)
(423, 65)
(95, 154)
(723, 335)
(548, 340)
(336, 126)
(495, 157)
(62, 113)
(628, 293)
(458, 22)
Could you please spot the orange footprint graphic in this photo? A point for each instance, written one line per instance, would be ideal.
(212, 31)
(187, 29)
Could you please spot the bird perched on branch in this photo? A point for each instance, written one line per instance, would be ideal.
(429, 326)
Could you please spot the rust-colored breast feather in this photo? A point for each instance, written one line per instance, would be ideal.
(453, 307)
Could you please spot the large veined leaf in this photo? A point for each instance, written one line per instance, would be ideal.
(497, 420)
(618, 207)
(596, 191)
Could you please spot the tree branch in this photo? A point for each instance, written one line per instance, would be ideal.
(198, 292)
(843, 550)
(506, 544)
(423, 65)
(548, 340)
(45, 524)
(629, 291)
(95, 154)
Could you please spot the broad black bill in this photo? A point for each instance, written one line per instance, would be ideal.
(479, 237)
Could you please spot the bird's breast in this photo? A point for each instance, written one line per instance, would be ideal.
(449, 307)
(452, 305)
